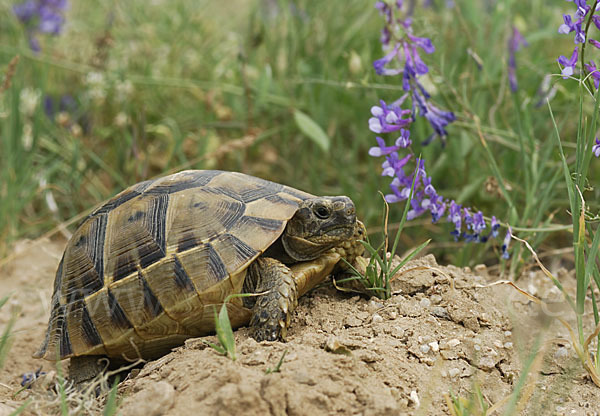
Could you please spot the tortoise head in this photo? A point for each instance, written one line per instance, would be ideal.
(319, 224)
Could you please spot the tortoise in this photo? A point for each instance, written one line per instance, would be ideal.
(146, 270)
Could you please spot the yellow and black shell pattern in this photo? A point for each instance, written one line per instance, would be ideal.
(143, 272)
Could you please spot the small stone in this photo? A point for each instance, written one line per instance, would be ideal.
(435, 347)
(374, 305)
(453, 372)
(507, 333)
(440, 312)
(477, 347)
(393, 314)
(414, 398)
(425, 303)
(335, 346)
(453, 343)
(561, 353)
(377, 319)
(435, 299)
(398, 332)
(497, 344)
(487, 363)
(508, 345)
(425, 348)
(155, 400)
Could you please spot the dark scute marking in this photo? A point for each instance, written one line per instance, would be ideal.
(59, 275)
(115, 202)
(81, 241)
(142, 186)
(264, 223)
(187, 241)
(296, 193)
(125, 266)
(89, 329)
(96, 248)
(192, 180)
(158, 221)
(82, 285)
(279, 200)
(117, 315)
(229, 213)
(138, 215)
(181, 277)
(65, 341)
(149, 254)
(250, 195)
(151, 303)
(220, 190)
(242, 249)
(215, 263)
(74, 295)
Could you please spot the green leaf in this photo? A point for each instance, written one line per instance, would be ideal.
(225, 332)
(314, 132)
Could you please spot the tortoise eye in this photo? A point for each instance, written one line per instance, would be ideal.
(321, 212)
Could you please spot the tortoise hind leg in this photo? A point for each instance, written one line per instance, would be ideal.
(86, 367)
(271, 312)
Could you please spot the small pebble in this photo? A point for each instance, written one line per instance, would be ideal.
(435, 347)
(374, 305)
(508, 345)
(440, 312)
(507, 333)
(435, 299)
(377, 318)
(453, 343)
(393, 314)
(425, 303)
(453, 372)
(487, 363)
(561, 353)
(425, 348)
(414, 397)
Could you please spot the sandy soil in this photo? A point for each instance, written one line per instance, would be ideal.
(444, 330)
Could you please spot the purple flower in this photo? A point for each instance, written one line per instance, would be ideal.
(506, 243)
(454, 216)
(43, 16)
(401, 142)
(478, 223)
(380, 64)
(515, 43)
(567, 27)
(388, 118)
(25, 11)
(594, 72)
(569, 64)
(582, 8)
(596, 147)
(494, 225)
(423, 43)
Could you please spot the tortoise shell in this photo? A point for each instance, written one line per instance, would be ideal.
(145, 270)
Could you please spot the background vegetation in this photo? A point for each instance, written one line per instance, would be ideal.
(132, 90)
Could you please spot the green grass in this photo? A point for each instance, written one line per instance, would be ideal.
(5, 337)
(242, 69)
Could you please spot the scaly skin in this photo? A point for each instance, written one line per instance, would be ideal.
(271, 312)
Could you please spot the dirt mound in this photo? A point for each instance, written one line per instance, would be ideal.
(441, 331)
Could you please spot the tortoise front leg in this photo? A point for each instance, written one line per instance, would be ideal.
(271, 312)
